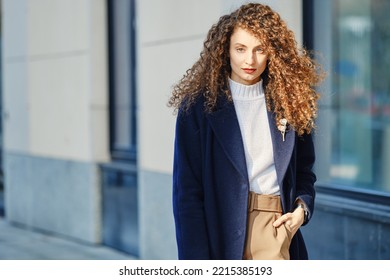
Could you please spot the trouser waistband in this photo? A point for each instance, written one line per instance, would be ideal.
(264, 202)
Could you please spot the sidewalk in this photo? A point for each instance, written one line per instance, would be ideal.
(18, 243)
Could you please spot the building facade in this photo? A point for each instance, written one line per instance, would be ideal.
(88, 138)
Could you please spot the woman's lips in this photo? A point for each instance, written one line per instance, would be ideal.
(249, 70)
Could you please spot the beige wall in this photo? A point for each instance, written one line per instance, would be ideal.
(55, 81)
(54, 64)
(170, 37)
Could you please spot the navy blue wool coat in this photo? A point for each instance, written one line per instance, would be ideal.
(211, 186)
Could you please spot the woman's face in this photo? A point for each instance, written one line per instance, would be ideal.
(247, 59)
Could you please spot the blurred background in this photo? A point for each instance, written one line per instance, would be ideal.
(87, 139)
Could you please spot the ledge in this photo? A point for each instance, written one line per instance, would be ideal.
(353, 207)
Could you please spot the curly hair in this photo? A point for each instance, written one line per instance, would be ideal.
(289, 78)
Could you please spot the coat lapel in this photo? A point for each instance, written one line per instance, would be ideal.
(282, 149)
(227, 130)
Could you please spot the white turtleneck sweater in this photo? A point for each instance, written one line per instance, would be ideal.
(251, 109)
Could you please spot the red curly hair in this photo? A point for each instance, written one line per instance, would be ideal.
(289, 78)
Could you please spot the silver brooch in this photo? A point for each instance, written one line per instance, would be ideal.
(283, 127)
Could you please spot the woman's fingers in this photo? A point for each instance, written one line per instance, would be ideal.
(292, 220)
(284, 218)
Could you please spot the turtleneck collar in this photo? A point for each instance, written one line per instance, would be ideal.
(246, 92)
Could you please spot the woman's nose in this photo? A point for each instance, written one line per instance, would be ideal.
(250, 59)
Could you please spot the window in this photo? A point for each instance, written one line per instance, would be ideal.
(352, 41)
(121, 17)
(119, 177)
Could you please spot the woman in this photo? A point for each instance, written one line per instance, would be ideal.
(243, 183)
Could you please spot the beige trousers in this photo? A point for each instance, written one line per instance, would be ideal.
(263, 240)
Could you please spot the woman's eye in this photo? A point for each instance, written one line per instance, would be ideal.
(259, 50)
(240, 50)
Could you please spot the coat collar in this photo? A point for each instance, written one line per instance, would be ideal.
(225, 125)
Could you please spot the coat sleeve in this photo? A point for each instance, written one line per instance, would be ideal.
(305, 175)
(188, 195)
